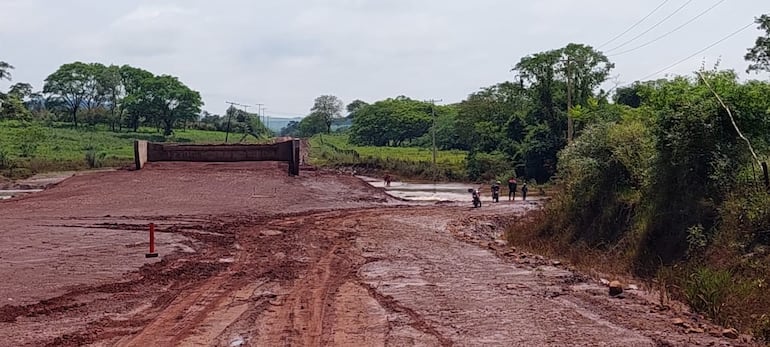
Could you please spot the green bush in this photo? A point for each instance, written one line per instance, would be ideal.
(94, 159)
(5, 160)
(708, 291)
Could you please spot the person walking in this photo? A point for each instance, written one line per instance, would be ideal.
(524, 191)
(512, 189)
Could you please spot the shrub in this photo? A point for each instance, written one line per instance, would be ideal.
(5, 160)
(94, 158)
(708, 290)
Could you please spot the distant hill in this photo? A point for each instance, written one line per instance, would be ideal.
(276, 124)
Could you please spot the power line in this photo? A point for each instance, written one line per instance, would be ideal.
(635, 25)
(699, 52)
(652, 27)
(670, 32)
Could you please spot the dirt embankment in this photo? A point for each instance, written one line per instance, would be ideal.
(251, 257)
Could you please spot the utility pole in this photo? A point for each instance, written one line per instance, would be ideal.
(230, 115)
(259, 112)
(433, 128)
(570, 121)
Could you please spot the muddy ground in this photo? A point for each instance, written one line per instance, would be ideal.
(252, 257)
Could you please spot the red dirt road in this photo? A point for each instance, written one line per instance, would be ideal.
(251, 257)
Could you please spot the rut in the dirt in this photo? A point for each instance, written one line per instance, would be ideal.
(373, 276)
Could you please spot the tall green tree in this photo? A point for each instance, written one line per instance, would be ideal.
(391, 122)
(167, 100)
(21, 90)
(354, 107)
(77, 86)
(327, 107)
(311, 125)
(132, 78)
(111, 87)
(558, 80)
(759, 55)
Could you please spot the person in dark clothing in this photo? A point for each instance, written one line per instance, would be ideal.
(524, 190)
(496, 191)
(512, 189)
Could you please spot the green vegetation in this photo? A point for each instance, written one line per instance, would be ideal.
(27, 148)
(89, 114)
(662, 185)
(408, 162)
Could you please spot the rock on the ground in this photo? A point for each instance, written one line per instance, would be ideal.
(604, 282)
(678, 322)
(695, 331)
(730, 333)
(616, 288)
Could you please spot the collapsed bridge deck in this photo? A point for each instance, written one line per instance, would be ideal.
(287, 151)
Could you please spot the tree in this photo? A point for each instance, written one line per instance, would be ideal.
(760, 53)
(111, 86)
(578, 69)
(166, 99)
(77, 85)
(391, 122)
(5, 71)
(327, 107)
(291, 129)
(21, 90)
(354, 106)
(311, 125)
(131, 78)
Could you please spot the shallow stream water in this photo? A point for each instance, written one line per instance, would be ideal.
(442, 191)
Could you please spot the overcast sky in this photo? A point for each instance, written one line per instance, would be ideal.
(285, 53)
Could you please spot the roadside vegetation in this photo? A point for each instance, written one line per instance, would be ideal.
(405, 162)
(660, 185)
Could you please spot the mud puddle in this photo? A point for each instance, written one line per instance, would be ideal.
(444, 191)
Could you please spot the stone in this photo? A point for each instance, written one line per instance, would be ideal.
(633, 287)
(695, 331)
(730, 333)
(678, 321)
(556, 263)
(616, 288)
(604, 282)
(501, 243)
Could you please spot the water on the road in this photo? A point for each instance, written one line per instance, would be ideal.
(7, 194)
(438, 191)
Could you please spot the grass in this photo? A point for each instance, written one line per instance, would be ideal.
(407, 162)
(34, 147)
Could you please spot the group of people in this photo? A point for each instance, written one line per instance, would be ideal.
(512, 185)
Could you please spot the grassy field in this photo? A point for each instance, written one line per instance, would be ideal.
(411, 162)
(29, 148)
(32, 148)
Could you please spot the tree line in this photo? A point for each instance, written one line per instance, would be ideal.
(516, 128)
(93, 93)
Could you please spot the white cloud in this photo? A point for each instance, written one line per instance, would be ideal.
(285, 53)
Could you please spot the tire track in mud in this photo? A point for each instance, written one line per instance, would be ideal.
(416, 321)
(282, 280)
